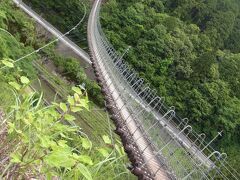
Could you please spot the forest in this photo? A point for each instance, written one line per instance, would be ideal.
(189, 51)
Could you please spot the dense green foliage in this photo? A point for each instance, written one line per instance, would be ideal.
(64, 15)
(14, 47)
(29, 148)
(24, 36)
(189, 51)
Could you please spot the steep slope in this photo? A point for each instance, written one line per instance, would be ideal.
(188, 50)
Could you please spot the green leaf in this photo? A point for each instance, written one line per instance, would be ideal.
(119, 150)
(24, 80)
(63, 106)
(77, 90)
(45, 141)
(18, 131)
(8, 63)
(63, 144)
(69, 117)
(15, 158)
(60, 157)
(11, 127)
(15, 85)
(84, 103)
(76, 109)
(106, 139)
(50, 175)
(104, 152)
(84, 171)
(76, 97)
(71, 100)
(3, 14)
(86, 144)
(85, 159)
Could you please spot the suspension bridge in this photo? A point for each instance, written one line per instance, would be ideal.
(159, 144)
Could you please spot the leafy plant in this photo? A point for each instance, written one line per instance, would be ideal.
(42, 142)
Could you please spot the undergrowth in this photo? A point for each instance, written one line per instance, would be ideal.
(39, 141)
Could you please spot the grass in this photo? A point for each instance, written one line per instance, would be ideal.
(6, 96)
(94, 122)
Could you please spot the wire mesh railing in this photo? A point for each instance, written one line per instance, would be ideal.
(153, 126)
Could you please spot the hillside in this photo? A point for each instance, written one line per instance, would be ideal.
(189, 51)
